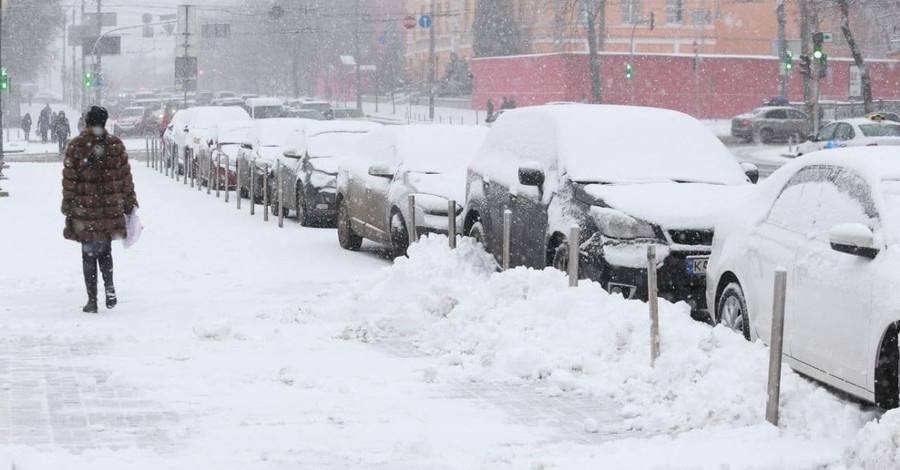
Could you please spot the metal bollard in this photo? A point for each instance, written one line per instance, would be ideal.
(574, 254)
(776, 347)
(218, 180)
(265, 190)
(280, 197)
(653, 302)
(165, 162)
(237, 192)
(147, 150)
(507, 223)
(209, 180)
(412, 219)
(227, 180)
(252, 187)
(451, 223)
(185, 167)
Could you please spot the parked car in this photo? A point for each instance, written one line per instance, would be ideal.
(884, 116)
(832, 220)
(304, 114)
(392, 163)
(262, 146)
(859, 132)
(200, 119)
(265, 108)
(310, 165)
(771, 123)
(223, 140)
(127, 122)
(347, 114)
(593, 165)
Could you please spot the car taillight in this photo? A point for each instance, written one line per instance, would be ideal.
(872, 145)
(746, 123)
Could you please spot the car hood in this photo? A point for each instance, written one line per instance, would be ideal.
(325, 164)
(446, 185)
(669, 205)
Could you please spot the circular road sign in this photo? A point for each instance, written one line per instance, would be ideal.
(409, 22)
(425, 21)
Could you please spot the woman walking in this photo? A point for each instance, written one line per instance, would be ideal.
(98, 192)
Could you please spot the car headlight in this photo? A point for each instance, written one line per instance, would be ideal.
(619, 225)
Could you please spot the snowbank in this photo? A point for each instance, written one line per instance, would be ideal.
(877, 445)
(526, 326)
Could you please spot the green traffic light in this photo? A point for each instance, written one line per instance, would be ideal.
(817, 54)
(629, 71)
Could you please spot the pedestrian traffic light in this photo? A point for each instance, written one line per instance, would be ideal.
(805, 66)
(788, 61)
(88, 79)
(629, 71)
(4, 81)
(818, 39)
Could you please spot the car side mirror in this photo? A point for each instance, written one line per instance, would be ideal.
(531, 175)
(381, 170)
(293, 153)
(854, 239)
(247, 145)
(811, 138)
(752, 172)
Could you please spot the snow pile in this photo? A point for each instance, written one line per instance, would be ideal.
(877, 445)
(526, 326)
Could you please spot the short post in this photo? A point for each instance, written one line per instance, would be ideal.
(237, 191)
(265, 190)
(507, 223)
(252, 187)
(653, 302)
(574, 254)
(147, 150)
(451, 223)
(280, 196)
(185, 166)
(165, 162)
(209, 180)
(218, 173)
(412, 219)
(775, 347)
(227, 180)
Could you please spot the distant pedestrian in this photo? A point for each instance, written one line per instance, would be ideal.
(26, 126)
(98, 192)
(43, 124)
(490, 110)
(504, 103)
(62, 130)
(81, 123)
(53, 119)
(512, 103)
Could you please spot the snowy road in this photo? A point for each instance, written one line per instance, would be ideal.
(239, 345)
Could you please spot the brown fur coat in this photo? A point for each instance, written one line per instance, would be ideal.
(97, 188)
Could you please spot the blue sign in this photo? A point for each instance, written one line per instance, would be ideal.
(383, 39)
(425, 21)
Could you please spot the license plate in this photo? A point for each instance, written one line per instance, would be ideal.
(696, 265)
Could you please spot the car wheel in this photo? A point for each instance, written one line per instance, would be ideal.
(399, 235)
(766, 136)
(561, 257)
(732, 310)
(346, 237)
(302, 212)
(476, 232)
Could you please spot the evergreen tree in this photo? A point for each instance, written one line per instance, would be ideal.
(457, 79)
(495, 32)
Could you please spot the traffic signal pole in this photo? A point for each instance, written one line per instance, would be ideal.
(98, 97)
(782, 48)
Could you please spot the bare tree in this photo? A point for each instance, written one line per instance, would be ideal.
(594, 12)
(844, 6)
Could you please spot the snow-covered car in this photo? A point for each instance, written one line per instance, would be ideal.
(832, 220)
(265, 108)
(223, 140)
(594, 166)
(310, 164)
(126, 122)
(176, 127)
(771, 123)
(858, 132)
(347, 114)
(262, 147)
(391, 163)
(200, 119)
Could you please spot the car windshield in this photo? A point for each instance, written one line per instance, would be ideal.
(133, 112)
(891, 216)
(333, 144)
(880, 130)
(268, 112)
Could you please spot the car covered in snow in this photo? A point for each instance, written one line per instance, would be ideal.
(595, 166)
(219, 155)
(832, 220)
(129, 121)
(771, 123)
(426, 160)
(265, 108)
(310, 165)
(858, 132)
(260, 151)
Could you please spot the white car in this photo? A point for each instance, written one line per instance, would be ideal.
(427, 160)
(200, 120)
(223, 140)
(263, 145)
(832, 220)
(858, 132)
(265, 108)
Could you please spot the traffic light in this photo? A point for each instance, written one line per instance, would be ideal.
(788, 61)
(4, 81)
(805, 65)
(818, 39)
(88, 80)
(629, 71)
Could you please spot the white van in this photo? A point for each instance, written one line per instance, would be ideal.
(264, 108)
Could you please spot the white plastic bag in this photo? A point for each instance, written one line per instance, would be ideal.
(133, 229)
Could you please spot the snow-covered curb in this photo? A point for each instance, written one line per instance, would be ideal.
(527, 326)
(877, 445)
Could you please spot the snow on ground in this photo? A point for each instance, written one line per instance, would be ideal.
(239, 345)
(877, 446)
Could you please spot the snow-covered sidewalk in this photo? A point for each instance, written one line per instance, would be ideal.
(240, 345)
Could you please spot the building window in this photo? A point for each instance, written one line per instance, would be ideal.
(675, 11)
(631, 11)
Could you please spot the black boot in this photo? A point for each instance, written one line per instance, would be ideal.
(89, 264)
(110, 297)
(104, 259)
(91, 306)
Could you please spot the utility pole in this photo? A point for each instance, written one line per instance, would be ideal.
(431, 64)
(81, 92)
(782, 47)
(97, 59)
(804, 51)
(73, 79)
(357, 58)
(2, 95)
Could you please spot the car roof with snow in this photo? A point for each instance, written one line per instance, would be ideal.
(276, 130)
(264, 102)
(429, 147)
(873, 163)
(321, 127)
(862, 121)
(206, 116)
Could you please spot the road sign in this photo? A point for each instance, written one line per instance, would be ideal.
(425, 21)
(186, 85)
(215, 30)
(185, 68)
(827, 37)
(108, 19)
(170, 28)
(409, 22)
(107, 45)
